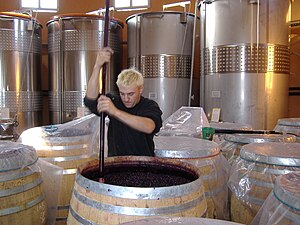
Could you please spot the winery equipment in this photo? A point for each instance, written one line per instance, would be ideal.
(246, 63)
(160, 46)
(20, 70)
(73, 42)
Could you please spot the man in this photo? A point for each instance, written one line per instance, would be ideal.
(133, 119)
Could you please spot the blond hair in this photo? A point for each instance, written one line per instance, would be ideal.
(130, 76)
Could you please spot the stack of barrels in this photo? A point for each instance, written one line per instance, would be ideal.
(253, 175)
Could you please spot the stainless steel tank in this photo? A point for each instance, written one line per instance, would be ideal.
(246, 63)
(73, 43)
(20, 69)
(160, 46)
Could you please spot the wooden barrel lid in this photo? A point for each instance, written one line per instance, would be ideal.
(272, 153)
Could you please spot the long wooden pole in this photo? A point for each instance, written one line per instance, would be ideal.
(103, 92)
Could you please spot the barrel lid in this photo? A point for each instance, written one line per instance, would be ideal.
(184, 147)
(273, 153)
(287, 191)
(179, 221)
(69, 16)
(289, 122)
(18, 15)
(154, 13)
(230, 126)
(15, 156)
(55, 131)
(259, 138)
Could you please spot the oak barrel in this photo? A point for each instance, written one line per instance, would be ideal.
(180, 221)
(289, 125)
(253, 175)
(22, 198)
(66, 148)
(206, 156)
(105, 203)
(234, 142)
(282, 206)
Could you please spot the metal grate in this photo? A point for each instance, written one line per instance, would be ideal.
(173, 66)
(247, 58)
(23, 101)
(82, 41)
(13, 40)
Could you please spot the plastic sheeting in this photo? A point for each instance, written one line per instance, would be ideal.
(186, 121)
(16, 156)
(253, 175)
(84, 130)
(20, 172)
(62, 148)
(52, 176)
(283, 204)
(179, 221)
(232, 143)
(206, 156)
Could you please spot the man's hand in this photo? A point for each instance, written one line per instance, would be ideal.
(139, 123)
(106, 105)
(103, 56)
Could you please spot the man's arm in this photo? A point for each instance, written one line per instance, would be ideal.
(142, 124)
(103, 56)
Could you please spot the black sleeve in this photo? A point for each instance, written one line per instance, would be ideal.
(156, 116)
(91, 104)
(153, 112)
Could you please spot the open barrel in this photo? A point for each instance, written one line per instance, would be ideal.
(136, 188)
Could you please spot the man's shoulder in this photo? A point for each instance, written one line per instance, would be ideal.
(149, 105)
(148, 101)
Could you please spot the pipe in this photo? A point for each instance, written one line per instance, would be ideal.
(102, 116)
(193, 54)
(61, 71)
(202, 52)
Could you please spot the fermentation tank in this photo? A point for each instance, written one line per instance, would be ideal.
(73, 43)
(246, 63)
(20, 70)
(160, 46)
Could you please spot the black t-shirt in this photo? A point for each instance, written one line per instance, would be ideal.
(124, 140)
